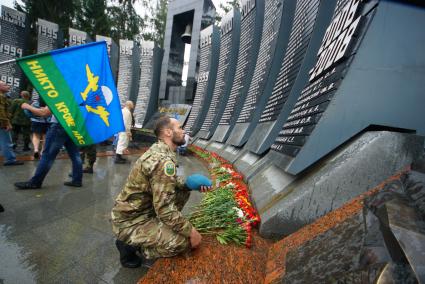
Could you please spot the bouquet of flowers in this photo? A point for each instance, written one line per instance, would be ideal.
(225, 212)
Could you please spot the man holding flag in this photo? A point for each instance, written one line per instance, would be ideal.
(56, 137)
(77, 85)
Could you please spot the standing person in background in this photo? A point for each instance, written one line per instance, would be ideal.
(124, 137)
(5, 128)
(20, 122)
(39, 126)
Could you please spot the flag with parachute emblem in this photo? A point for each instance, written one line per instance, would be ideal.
(78, 87)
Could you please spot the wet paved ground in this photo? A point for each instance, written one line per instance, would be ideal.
(60, 234)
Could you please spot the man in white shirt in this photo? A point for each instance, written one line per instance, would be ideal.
(124, 137)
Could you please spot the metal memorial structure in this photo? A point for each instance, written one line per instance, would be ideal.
(49, 37)
(14, 29)
(310, 22)
(127, 70)
(209, 51)
(229, 46)
(354, 120)
(278, 18)
(252, 17)
(113, 53)
(183, 16)
(147, 98)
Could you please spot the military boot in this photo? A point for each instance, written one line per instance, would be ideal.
(128, 256)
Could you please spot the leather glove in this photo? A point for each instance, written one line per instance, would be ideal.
(195, 181)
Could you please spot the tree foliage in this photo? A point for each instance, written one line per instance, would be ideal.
(226, 7)
(156, 20)
(125, 23)
(117, 18)
(93, 17)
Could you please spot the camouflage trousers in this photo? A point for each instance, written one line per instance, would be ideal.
(155, 238)
(25, 130)
(88, 155)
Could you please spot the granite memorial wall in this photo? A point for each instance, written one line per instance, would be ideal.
(77, 37)
(147, 98)
(113, 53)
(127, 70)
(359, 105)
(209, 51)
(49, 37)
(310, 21)
(252, 17)
(229, 46)
(278, 18)
(14, 30)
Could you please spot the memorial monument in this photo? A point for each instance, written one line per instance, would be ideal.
(113, 53)
(128, 69)
(147, 98)
(49, 37)
(209, 51)
(341, 136)
(252, 14)
(278, 18)
(184, 17)
(310, 22)
(229, 46)
(14, 29)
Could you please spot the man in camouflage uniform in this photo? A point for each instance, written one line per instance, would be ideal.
(5, 128)
(20, 122)
(147, 212)
(88, 155)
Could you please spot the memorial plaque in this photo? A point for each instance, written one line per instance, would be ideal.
(229, 46)
(209, 46)
(77, 37)
(177, 111)
(316, 95)
(252, 13)
(13, 34)
(357, 82)
(278, 16)
(310, 22)
(126, 68)
(147, 98)
(113, 54)
(49, 37)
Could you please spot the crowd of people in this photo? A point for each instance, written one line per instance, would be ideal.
(146, 218)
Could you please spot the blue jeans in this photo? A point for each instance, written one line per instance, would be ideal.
(7, 146)
(56, 137)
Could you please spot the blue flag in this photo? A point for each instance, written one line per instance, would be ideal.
(77, 85)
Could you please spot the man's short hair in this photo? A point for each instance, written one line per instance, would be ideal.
(161, 123)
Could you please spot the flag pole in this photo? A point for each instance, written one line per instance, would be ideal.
(7, 61)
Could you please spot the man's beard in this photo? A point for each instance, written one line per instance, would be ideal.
(176, 141)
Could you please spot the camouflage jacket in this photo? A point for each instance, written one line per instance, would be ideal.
(18, 114)
(150, 192)
(4, 111)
